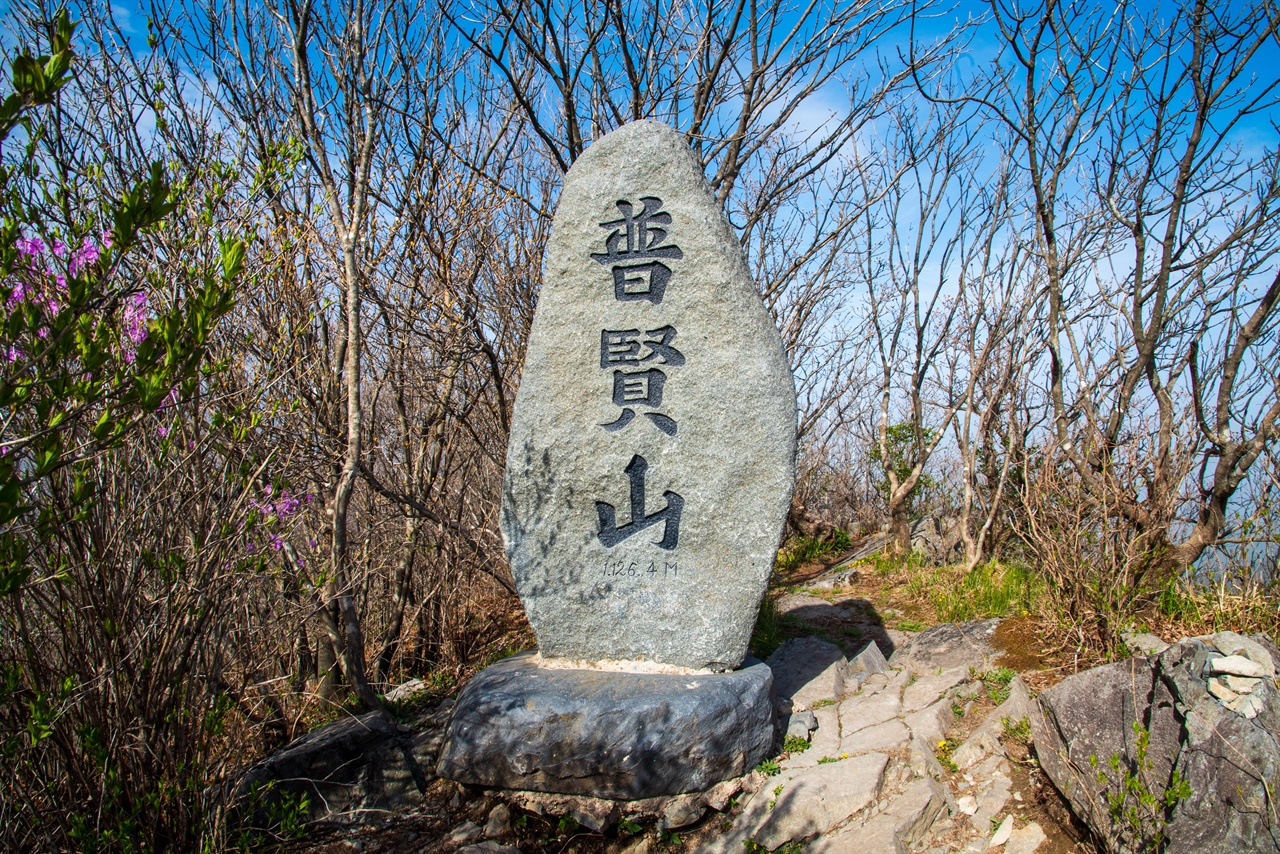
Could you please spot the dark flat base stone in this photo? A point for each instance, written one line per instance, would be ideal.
(622, 736)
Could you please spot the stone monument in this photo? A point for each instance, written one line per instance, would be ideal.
(649, 472)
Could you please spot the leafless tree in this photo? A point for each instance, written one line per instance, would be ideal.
(923, 230)
(1156, 236)
(773, 100)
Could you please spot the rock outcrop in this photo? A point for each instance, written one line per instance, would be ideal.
(1181, 748)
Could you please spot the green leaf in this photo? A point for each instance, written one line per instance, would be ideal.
(233, 252)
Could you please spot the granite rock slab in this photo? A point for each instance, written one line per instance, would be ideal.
(522, 725)
(949, 646)
(808, 670)
(652, 448)
(820, 798)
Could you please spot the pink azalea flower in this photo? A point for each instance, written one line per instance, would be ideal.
(30, 246)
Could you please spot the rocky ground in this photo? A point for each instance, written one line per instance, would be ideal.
(894, 741)
(918, 742)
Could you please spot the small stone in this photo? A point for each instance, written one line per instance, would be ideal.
(1219, 689)
(1142, 643)
(824, 742)
(991, 802)
(931, 723)
(1247, 706)
(1240, 684)
(967, 804)
(927, 689)
(499, 822)
(1003, 832)
(917, 809)
(992, 766)
(878, 833)
(405, 690)
(817, 800)
(885, 737)
(870, 661)
(680, 813)
(1238, 665)
(860, 712)
(643, 845)
(1025, 840)
(801, 724)
(1017, 796)
(982, 742)
(1230, 643)
(949, 646)
(922, 761)
(489, 847)
(466, 832)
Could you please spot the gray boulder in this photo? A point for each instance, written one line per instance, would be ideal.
(1155, 718)
(519, 725)
(949, 646)
(348, 771)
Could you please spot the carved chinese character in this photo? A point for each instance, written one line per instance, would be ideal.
(623, 347)
(640, 388)
(610, 534)
(634, 241)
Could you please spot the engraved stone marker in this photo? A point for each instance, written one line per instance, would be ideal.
(649, 473)
(652, 446)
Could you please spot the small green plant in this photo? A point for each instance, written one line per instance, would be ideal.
(668, 838)
(777, 792)
(521, 820)
(997, 681)
(792, 847)
(769, 768)
(1140, 810)
(288, 814)
(822, 704)
(907, 624)
(567, 826)
(827, 760)
(946, 748)
(801, 550)
(627, 827)
(989, 590)
(795, 744)
(772, 629)
(1017, 730)
(285, 815)
(957, 708)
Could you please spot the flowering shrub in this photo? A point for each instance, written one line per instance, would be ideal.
(278, 515)
(85, 354)
(112, 538)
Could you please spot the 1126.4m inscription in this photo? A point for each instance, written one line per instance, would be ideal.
(637, 570)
